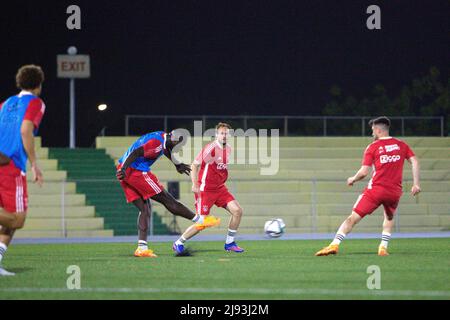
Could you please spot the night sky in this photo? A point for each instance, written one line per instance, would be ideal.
(217, 57)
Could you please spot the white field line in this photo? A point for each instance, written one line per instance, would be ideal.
(254, 291)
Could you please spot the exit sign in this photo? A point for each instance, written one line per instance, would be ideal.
(73, 66)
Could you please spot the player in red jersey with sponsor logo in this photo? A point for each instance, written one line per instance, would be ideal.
(209, 174)
(386, 155)
(20, 117)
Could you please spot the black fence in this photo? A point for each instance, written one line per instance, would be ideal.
(288, 125)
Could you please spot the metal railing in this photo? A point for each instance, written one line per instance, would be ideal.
(285, 123)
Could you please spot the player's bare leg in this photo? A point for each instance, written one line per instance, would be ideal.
(143, 223)
(348, 224)
(6, 235)
(345, 228)
(13, 221)
(7, 219)
(388, 224)
(175, 207)
(236, 213)
(179, 209)
(191, 231)
(234, 208)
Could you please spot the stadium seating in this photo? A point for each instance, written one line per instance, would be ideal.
(58, 209)
(94, 173)
(309, 191)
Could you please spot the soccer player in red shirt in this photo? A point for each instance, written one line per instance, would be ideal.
(209, 172)
(386, 155)
(20, 116)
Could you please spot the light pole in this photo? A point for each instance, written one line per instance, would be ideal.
(71, 66)
(72, 51)
(102, 109)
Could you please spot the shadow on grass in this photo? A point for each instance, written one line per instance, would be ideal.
(207, 250)
(368, 253)
(20, 270)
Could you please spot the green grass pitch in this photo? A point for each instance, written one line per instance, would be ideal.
(274, 269)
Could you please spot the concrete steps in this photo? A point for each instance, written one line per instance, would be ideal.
(324, 197)
(55, 199)
(53, 188)
(57, 212)
(289, 194)
(299, 142)
(90, 223)
(302, 210)
(255, 174)
(306, 153)
(94, 173)
(335, 164)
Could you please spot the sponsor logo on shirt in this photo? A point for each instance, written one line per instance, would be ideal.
(387, 159)
(392, 147)
(222, 166)
(380, 150)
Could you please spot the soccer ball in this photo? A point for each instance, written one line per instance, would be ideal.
(274, 228)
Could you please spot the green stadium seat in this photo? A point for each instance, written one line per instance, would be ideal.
(311, 170)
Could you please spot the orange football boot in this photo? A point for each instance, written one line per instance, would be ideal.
(331, 249)
(144, 253)
(382, 251)
(208, 221)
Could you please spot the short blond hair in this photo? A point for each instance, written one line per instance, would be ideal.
(222, 125)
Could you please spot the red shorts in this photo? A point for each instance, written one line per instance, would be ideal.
(206, 199)
(371, 199)
(13, 193)
(138, 184)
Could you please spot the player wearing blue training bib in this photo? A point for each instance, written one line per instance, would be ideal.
(140, 184)
(20, 116)
(153, 144)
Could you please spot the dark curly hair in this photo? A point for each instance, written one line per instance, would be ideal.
(29, 77)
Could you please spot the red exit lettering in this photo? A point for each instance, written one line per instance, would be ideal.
(72, 66)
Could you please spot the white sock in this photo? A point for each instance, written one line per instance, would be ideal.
(142, 245)
(230, 236)
(385, 237)
(180, 241)
(3, 248)
(198, 218)
(338, 238)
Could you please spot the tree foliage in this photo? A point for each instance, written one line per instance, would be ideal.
(425, 96)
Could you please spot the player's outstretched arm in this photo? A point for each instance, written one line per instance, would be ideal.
(416, 175)
(194, 177)
(26, 131)
(139, 152)
(181, 167)
(361, 174)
